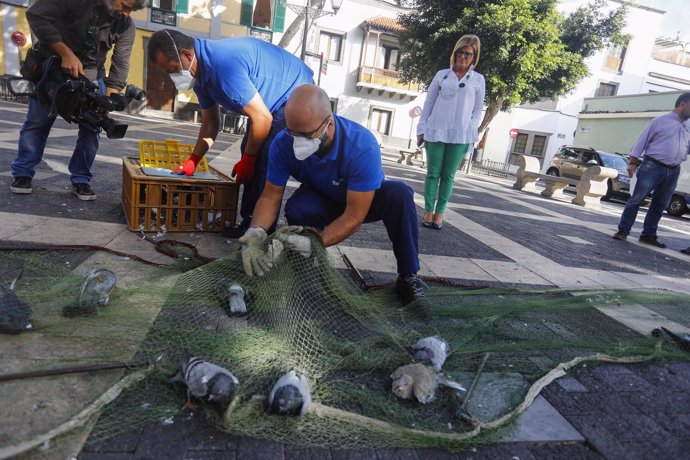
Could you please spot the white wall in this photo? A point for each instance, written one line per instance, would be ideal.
(341, 77)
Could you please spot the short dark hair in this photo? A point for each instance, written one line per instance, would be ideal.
(161, 41)
(139, 4)
(685, 97)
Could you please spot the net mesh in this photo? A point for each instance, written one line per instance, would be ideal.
(305, 315)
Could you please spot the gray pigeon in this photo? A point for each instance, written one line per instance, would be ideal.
(236, 303)
(290, 395)
(431, 350)
(15, 315)
(206, 381)
(96, 289)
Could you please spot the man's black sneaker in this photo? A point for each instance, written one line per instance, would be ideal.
(409, 288)
(621, 235)
(686, 251)
(21, 184)
(83, 192)
(652, 240)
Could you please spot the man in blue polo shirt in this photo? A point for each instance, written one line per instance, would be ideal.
(244, 75)
(338, 164)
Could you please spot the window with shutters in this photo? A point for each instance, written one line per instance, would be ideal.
(331, 45)
(263, 14)
(166, 11)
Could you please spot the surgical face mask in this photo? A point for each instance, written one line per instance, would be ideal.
(304, 147)
(183, 79)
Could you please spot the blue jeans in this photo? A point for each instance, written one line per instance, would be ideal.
(32, 142)
(252, 189)
(393, 204)
(650, 176)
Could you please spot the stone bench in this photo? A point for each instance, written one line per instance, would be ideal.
(411, 153)
(589, 189)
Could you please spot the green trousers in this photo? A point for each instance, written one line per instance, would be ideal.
(442, 160)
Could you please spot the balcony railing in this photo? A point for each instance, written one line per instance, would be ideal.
(678, 57)
(385, 77)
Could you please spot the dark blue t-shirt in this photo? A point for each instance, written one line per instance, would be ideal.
(233, 70)
(352, 163)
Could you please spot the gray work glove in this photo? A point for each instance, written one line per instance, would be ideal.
(254, 257)
(291, 239)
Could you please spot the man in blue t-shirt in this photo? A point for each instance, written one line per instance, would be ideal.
(244, 75)
(342, 186)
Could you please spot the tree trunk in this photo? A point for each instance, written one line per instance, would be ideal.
(296, 26)
(491, 110)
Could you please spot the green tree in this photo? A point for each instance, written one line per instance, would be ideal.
(530, 51)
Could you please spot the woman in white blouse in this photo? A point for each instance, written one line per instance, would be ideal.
(449, 123)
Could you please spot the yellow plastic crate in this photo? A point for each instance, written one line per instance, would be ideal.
(168, 155)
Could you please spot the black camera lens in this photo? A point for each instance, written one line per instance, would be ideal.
(134, 92)
(113, 129)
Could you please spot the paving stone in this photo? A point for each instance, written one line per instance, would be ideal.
(564, 451)
(571, 384)
(210, 455)
(661, 400)
(620, 378)
(123, 443)
(437, 454)
(598, 436)
(104, 456)
(259, 448)
(353, 454)
(305, 453)
(397, 454)
(496, 451)
(209, 438)
(631, 428)
(540, 422)
(167, 441)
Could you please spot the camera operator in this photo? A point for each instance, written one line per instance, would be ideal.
(80, 32)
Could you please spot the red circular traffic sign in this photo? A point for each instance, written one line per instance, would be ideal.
(18, 38)
(415, 111)
(513, 133)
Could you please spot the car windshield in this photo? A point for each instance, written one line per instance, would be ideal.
(613, 161)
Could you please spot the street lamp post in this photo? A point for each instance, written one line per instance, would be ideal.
(315, 12)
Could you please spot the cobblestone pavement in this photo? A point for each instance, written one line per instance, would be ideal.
(494, 236)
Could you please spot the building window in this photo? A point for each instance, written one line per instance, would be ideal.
(520, 143)
(168, 5)
(331, 45)
(538, 144)
(614, 58)
(263, 14)
(380, 120)
(606, 89)
(388, 57)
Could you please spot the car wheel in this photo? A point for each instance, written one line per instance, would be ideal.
(677, 206)
(552, 172)
(609, 191)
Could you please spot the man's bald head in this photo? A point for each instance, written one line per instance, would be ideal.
(306, 108)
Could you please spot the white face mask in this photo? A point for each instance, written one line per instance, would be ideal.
(183, 79)
(304, 148)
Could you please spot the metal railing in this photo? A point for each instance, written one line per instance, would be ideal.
(491, 168)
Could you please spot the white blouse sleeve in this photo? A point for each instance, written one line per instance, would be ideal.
(431, 96)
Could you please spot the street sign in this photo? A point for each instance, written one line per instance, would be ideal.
(415, 111)
(513, 133)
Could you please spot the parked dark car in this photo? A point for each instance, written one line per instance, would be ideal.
(571, 161)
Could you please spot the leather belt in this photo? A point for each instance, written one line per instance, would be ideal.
(654, 160)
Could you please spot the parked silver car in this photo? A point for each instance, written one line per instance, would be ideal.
(571, 161)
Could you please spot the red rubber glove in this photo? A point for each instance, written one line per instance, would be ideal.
(188, 167)
(244, 169)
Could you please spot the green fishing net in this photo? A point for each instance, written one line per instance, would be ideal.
(506, 344)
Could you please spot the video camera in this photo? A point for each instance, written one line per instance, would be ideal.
(78, 100)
